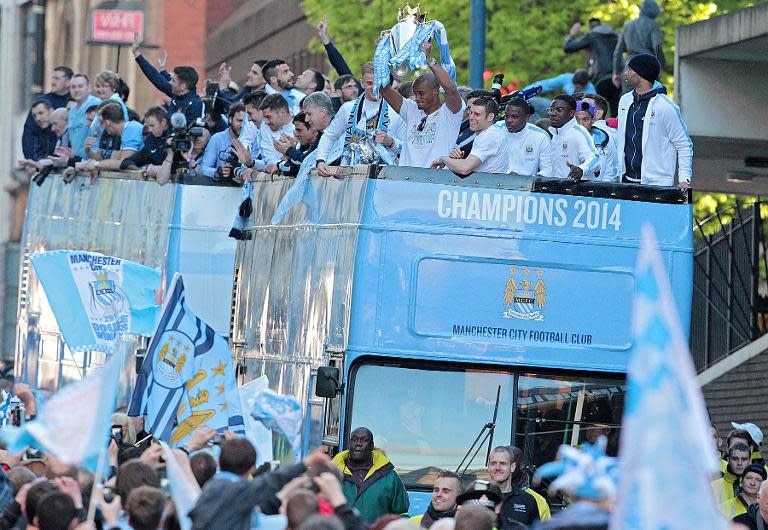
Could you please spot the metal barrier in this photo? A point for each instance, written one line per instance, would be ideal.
(729, 262)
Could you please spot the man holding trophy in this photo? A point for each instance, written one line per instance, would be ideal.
(431, 126)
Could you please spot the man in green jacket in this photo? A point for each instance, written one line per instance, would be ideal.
(370, 482)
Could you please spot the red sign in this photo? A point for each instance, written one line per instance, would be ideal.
(116, 26)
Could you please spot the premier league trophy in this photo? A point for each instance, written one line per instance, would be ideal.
(408, 21)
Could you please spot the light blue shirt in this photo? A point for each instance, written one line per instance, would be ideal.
(96, 128)
(562, 83)
(132, 138)
(78, 131)
(218, 144)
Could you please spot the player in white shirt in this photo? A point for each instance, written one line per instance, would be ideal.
(276, 123)
(527, 145)
(604, 141)
(489, 150)
(431, 127)
(572, 152)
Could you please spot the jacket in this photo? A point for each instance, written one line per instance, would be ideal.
(572, 143)
(189, 104)
(518, 506)
(726, 487)
(382, 492)
(749, 519)
(666, 142)
(733, 507)
(229, 504)
(641, 35)
(528, 150)
(601, 42)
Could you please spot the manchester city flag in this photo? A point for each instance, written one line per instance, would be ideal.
(667, 455)
(96, 298)
(187, 378)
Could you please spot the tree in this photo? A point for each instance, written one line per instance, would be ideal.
(524, 39)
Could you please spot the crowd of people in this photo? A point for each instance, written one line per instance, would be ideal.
(358, 489)
(279, 122)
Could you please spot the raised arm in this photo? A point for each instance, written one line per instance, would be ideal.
(393, 97)
(452, 97)
(162, 83)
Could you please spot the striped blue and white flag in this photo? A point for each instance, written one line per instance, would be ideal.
(187, 379)
(5, 408)
(74, 425)
(666, 450)
(96, 298)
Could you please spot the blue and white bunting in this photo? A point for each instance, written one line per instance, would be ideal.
(96, 298)
(187, 379)
(74, 425)
(667, 455)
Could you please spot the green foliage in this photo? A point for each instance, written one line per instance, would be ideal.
(524, 39)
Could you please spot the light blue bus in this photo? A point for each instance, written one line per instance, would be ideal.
(415, 298)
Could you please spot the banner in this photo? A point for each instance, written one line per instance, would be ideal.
(281, 414)
(74, 425)
(187, 379)
(667, 455)
(96, 298)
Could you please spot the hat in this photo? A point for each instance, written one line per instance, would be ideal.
(585, 106)
(646, 65)
(755, 468)
(753, 430)
(479, 488)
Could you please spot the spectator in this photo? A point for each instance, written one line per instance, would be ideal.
(34, 494)
(203, 467)
(519, 478)
(516, 504)
(145, 508)
(650, 149)
(254, 81)
(299, 506)
(61, 151)
(443, 504)
(605, 144)
(322, 522)
(128, 132)
(80, 89)
(639, 36)
(567, 83)
(280, 80)
(750, 434)
(132, 475)
(229, 503)
(600, 41)
(43, 139)
(365, 119)
(489, 150)
(215, 163)
(190, 161)
(56, 98)
(294, 154)
(527, 145)
(153, 153)
(753, 477)
(237, 458)
(277, 123)
(727, 487)
(181, 87)
(572, 152)
(474, 518)
(370, 482)
(57, 511)
(757, 514)
(431, 127)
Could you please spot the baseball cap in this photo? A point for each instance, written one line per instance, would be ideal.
(753, 430)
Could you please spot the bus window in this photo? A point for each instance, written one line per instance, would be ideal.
(553, 410)
(426, 419)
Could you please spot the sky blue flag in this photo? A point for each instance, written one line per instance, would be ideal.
(96, 298)
(187, 379)
(667, 454)
(281, 414)
(74, 425)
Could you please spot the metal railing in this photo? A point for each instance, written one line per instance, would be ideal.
(728, 310)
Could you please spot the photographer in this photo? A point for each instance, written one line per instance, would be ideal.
(155, 145)
(219, 159)
(194, 158)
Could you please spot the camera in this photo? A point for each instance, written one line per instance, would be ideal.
(41, 175)
(228, 157)
(182, 135)
(109, 494)
(117, 434)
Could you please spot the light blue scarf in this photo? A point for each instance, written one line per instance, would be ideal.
(353, 133)
(412, 53)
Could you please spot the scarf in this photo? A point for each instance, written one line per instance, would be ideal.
(353, 134)
(432, 515)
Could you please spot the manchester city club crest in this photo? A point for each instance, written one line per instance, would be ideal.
(105, 296)
(176, 351)
(525, 294)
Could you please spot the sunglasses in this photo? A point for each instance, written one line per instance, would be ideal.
(422, 124)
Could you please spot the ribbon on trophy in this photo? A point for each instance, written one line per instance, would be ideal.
(400, 50)
(360, 146)
(302, 190)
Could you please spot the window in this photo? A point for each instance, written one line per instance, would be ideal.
(426, 419)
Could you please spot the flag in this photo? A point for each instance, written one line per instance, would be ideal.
(74, 426)
(5, 408)
(666, 449)
(281, 414)
(184, 489)
(187, 378)
(96, 298)
(259, 435)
